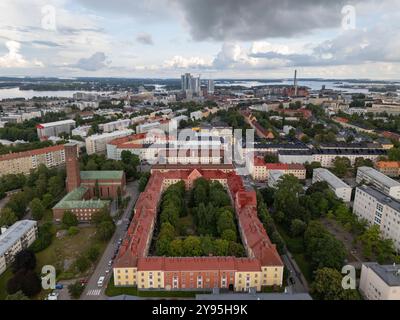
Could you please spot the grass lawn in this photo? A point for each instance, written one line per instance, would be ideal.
(3, 282)
(296, 248)
(63, 252)
(304, 266)
(113, 291)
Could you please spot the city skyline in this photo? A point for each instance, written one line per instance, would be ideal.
(260, 39)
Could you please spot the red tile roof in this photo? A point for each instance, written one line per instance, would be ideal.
(133, 250)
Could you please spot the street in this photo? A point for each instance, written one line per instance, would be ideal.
(92, 290)
(299, 283)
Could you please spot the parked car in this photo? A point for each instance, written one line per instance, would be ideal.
(59, 286)
(52, 296)
(100, 282)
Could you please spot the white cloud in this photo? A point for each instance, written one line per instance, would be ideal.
(14, 59)
(179, 62)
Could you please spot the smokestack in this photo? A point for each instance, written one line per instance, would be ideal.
(295, 83)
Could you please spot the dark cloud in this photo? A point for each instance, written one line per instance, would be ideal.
(223, 20)
(258, 19)
(46, 43)
(351, 47)
(95, 62)
(145, 38)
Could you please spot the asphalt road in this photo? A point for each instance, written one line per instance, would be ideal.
(92, 291)
(296, 281)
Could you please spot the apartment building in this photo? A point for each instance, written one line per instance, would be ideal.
(274, 177)
(380, 181)
(46, 130)
(16, 238)
(327, 156)
(380, 282)
(97, 143)
(115, 125)
(23, 162)
(378, 208)
(261, 267)
(259, 169)
(389, 168)
(340, 188)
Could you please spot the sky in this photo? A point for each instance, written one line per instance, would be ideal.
(258, 39)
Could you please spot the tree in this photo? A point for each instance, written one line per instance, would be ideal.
(192, 246)
(394, 154)
(287, 198)
(323, 249)
(176, 248)
(26, 281)
(105, 230)
(24, 260)
(207, 245)
(340, 166)
(7, 217)
(73, 231)
(271, 158)
(144, 178)
(229, 235)
(221, 247)
(96, 189)
(69, 219)
(327, 285)
(47, 200)
(19, 295)
(31, 284)
(44, 239)
(75, 289)
(56, 186)
(37, 209)
(225, 222)
(82, 263)
(93, 253)
(297, 227)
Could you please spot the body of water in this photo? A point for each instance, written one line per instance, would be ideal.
(10, 93)
(314, 85)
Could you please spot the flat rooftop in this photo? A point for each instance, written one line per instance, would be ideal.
(14, 233)
(102, 175)
(381, 197)
(390, 274)
(330, 178)
(379, 176)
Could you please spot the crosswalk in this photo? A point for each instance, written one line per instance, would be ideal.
(94, 292)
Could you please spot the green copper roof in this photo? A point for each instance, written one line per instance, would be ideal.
(73, 200)
(101, 175)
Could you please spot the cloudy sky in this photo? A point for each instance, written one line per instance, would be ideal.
(214, 38)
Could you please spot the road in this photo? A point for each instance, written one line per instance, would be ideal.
(92, 291)
(299, 284)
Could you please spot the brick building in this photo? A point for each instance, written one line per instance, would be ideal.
(88, 191)
(134, 267)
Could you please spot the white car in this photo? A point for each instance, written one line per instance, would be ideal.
(100, 282)
(107, 271)
(52, 296)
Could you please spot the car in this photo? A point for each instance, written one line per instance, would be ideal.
(83, 281)
(107, 271)
(110, 262)
(59, 286)
(52, 296)
(292, 281)
(100, 282)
